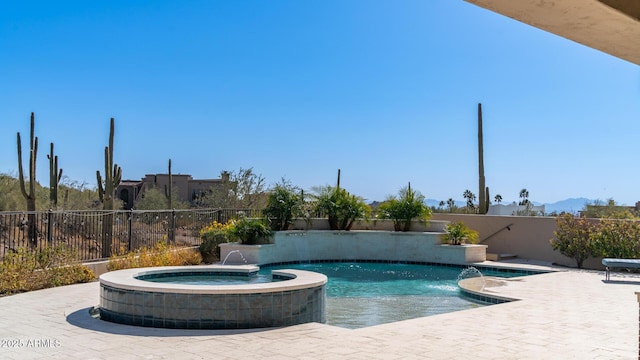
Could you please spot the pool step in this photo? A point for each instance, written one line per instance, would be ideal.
(498, 257)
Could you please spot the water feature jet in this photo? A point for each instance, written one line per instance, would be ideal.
(231, 252)
(468, 272)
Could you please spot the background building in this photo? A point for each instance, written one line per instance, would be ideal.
(185, 186)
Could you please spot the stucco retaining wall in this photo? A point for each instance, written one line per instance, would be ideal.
(528, 237)
(353, 245)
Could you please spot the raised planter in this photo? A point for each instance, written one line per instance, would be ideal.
(313, 245)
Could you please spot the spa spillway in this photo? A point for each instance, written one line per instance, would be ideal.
(133, 297)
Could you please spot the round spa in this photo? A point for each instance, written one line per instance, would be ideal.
(231, 297)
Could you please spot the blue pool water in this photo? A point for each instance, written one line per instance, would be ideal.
(367, 294)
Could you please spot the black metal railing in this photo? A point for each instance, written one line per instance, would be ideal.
(85, 233)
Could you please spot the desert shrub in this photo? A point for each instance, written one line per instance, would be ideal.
(574, 238)
(340, 207)
(249, 231)
(408, 205)
(211, 236)
(616, 239)
(161, 254)
(580, 238)
(27, 270)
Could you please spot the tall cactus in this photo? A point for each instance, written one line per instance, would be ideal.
(483, 207)
(54, 178)
(169, 194)
(106, 191)
(167, 189)
(112, 175)
(30, 197)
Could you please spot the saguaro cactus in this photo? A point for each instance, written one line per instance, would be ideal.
(169, 194)
(483, 196)
(106, 191)
(30, 197)
(167, 189)
(54, 178)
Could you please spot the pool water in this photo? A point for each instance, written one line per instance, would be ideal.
(367, 294)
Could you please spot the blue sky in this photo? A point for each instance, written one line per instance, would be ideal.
(386, 91)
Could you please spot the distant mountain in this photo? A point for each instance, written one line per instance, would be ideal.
(572, 205)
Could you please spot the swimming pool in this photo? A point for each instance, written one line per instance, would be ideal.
(361, 294)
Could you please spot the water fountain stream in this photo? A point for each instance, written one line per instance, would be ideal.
(231, 252)
(469, 272)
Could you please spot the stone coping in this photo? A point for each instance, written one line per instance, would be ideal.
(126, 279)
(482, 286)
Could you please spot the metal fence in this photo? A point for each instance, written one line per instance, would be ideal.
(95, 235)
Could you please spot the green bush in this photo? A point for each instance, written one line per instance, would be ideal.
(283, 205)
(458, 232)
(27, 270)
(574, 238)
(580, 238)
(340, 207)
(210, 244)
(408, 205)
(616, 239)
(250, 231)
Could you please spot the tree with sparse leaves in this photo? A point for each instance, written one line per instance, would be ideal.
(155, 199)
(574, 238)
(243, 189)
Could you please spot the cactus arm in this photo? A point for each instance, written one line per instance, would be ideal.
(55, 176)
(117, 177)
(100, 188)
(32, 173)
(20, 170)
(487, 200)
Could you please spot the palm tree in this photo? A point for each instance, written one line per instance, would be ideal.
(471, 197)
(498, 198)
(524, 195)
(451, 204)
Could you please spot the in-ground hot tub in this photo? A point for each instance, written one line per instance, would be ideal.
(295, 297)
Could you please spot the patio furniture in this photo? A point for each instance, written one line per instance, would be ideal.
(611, 263)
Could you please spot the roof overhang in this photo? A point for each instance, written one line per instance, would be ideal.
(611, 26)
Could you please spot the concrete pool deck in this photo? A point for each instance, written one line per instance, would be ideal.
(569, 314)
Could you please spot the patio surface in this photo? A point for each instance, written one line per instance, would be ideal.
(569, 314)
